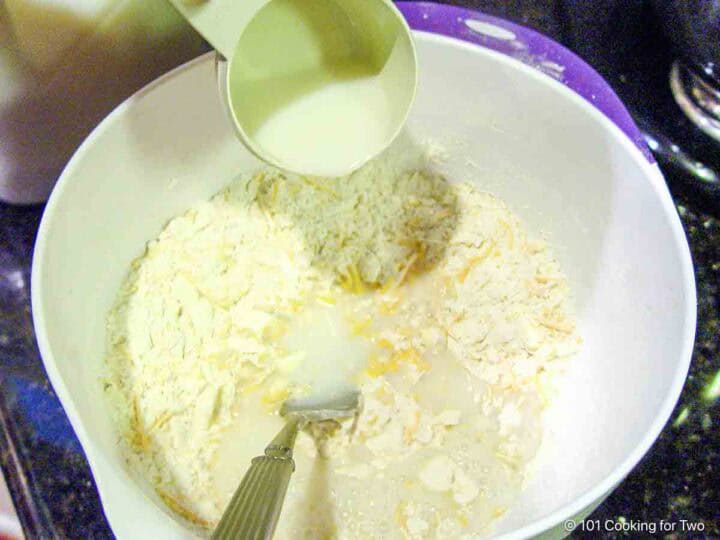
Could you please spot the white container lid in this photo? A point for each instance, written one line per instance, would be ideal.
(9, 523)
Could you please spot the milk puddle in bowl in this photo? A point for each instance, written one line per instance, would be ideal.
(428, 296)
(321, 361)
(325, 358)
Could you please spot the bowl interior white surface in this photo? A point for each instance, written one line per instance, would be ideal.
(559, 163)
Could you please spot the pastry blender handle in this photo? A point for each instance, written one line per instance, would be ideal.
(255, 508)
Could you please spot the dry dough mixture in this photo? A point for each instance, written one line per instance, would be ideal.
(448, 317)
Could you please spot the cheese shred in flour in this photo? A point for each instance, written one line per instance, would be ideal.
(453, 322)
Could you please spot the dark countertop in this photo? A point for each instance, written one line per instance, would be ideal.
(49, 478)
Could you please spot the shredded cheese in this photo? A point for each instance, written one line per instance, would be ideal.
(462, 313)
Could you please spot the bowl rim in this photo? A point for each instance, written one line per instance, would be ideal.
(531, 48)
(651, 171)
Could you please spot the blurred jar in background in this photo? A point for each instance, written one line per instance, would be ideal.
(693, 26)
(64, 65)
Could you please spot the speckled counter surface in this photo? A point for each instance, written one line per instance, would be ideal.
(42, 460)
(54, 491)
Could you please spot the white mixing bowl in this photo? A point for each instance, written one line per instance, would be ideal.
(560, 150)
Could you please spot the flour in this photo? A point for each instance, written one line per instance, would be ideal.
(458, 320)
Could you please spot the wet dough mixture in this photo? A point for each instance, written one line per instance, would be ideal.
(450, 319)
